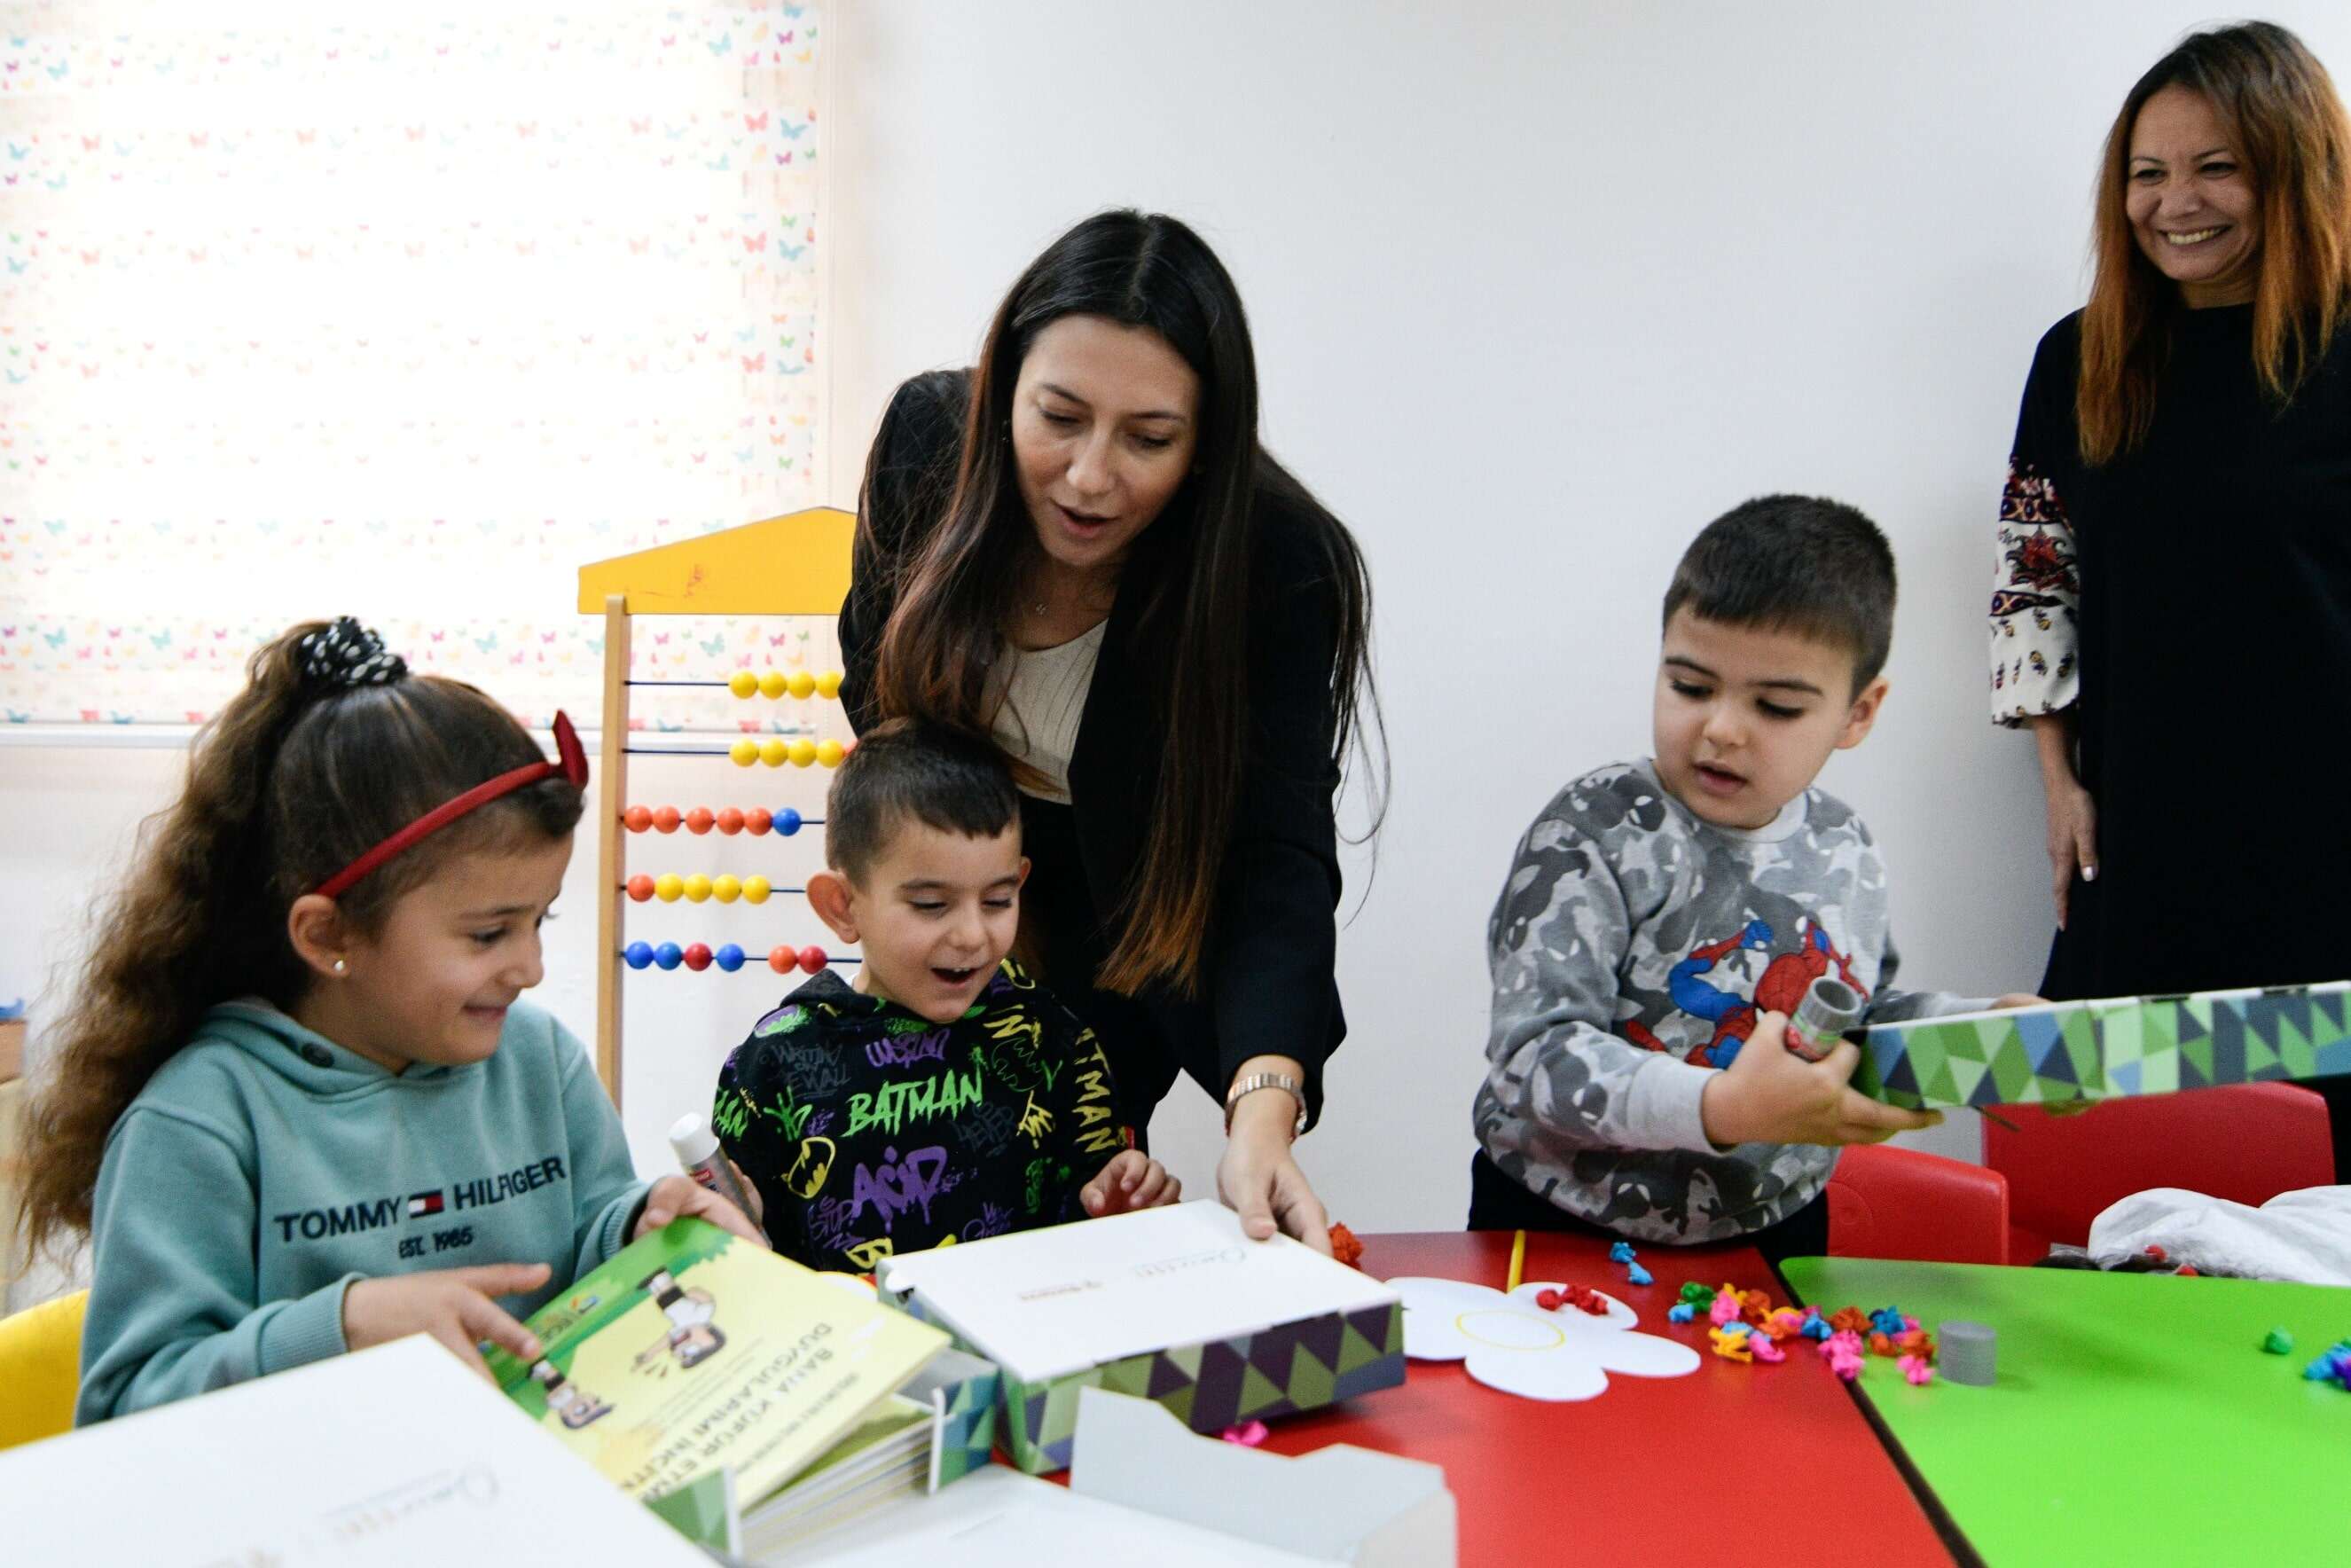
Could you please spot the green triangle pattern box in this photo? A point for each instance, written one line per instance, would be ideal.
(2101, 1049)
(1173, 1305)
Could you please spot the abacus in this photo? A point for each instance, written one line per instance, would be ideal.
(796, 564)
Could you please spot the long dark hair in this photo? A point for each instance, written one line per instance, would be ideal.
(331, 747)
(2285, 119)
(1193, 565)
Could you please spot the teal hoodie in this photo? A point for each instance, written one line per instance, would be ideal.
(265, 1168)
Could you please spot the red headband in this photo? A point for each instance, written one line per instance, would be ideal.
(573, 766)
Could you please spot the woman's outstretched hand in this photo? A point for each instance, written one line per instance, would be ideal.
(1260, 1179)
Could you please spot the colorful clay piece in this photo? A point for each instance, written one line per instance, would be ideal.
(2334, 1367)
(1816, 1327)
(1785, 1322)
(1549, 1300)
(1730, 1343)
(2278, 1342)
(1887, 1321)
(1636, 1275)
(1724, 1310)
(1248, 1434)
(1917, 1371)
(1765, 1348)
(1621, 1253)
(1697, 1295)
(1849, 1320)
(1345, 1246)
(1680, 1313)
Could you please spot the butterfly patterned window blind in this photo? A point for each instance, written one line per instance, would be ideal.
(402, 311)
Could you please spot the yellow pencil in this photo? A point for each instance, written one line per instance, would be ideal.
(1518, 1260)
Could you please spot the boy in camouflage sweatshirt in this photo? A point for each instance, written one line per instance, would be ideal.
(1662, 917)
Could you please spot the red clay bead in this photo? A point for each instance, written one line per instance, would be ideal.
(698, 958)
(665, 818)
(637, 818)
(640, 887)
(730, 821)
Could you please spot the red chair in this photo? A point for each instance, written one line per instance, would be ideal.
(1886, 1202)
(2246, 1143)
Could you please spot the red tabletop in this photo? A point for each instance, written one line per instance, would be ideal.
(1732, 1463)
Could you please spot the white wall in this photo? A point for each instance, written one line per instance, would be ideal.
(1538, 289)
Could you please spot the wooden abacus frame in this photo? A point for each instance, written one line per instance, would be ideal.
(796, 564)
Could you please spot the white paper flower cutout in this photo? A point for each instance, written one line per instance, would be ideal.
(1511, 1344)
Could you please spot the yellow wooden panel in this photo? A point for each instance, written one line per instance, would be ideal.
(796, 564)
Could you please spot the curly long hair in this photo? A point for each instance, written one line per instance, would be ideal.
(1191, 638)
(331, 747)
(2286, 121)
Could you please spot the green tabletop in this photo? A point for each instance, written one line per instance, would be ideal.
(2136, 1417)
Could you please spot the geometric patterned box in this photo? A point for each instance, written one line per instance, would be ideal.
(963, 1390)
(2100, 1049)
(1278, 1371)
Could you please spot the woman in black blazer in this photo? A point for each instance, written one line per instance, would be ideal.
(1080, 548)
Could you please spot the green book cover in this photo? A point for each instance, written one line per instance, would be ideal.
(693, 1350)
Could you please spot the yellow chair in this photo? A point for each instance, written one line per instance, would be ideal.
(40, 1368)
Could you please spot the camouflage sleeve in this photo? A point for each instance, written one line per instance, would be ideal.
(1555, 945)
(1888, 1004)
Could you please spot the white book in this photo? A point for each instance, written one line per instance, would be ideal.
(395, 1455)
(1044, 1304)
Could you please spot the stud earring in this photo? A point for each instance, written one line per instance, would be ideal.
(341, 968)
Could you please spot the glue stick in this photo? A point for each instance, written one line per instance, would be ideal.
(1829, 1009)
(696, 1147)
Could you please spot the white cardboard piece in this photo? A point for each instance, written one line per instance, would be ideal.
(1045, 1304)
(1156, 1494)
(1338, 1504)
(395, 1455)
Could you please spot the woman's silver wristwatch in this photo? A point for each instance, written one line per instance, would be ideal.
(1254, 1081)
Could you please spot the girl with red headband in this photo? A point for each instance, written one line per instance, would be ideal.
(296, 1102)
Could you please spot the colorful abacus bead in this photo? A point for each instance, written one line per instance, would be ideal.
(744, 752)
(638, 954)
(758, 821)
(773, 752)
(699, 820)
(669, 954)
(669, 887)
(813, 959)
(640, 887)
(782, 960)
(665, 818)
(755, 889)
(742, 683)
(697, 888)
(637, 818)
(730, 821)
(788, 821)
(725, 889)
(802, 684)
(771, 684)
(829, 753)
(729, 957)
(828, 685)
(802, 751)
(697, 957)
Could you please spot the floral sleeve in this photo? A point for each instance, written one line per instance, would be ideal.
(2034, 665)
